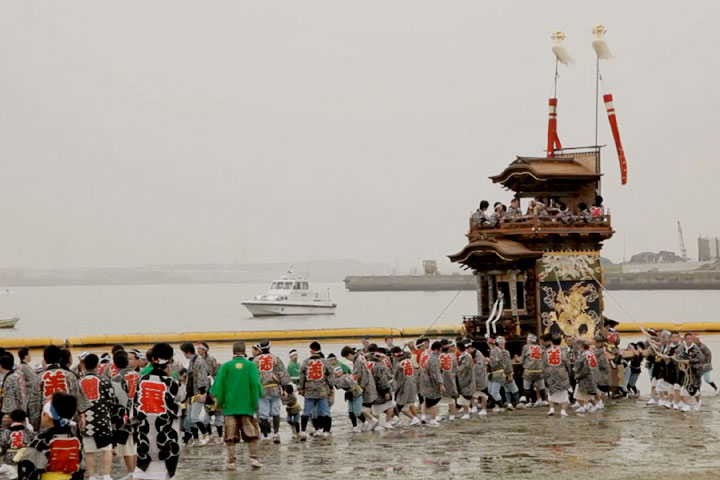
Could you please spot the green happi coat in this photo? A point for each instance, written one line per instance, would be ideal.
(237, 387)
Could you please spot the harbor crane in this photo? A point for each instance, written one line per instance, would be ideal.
(681, 238)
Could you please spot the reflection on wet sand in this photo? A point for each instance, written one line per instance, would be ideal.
(625, 440)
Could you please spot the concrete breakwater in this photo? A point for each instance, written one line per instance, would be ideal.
(653, 280)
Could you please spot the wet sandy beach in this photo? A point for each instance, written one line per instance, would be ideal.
(626, 440)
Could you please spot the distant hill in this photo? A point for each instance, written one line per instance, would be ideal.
(319, 271)
(606, 261)
(662, 256)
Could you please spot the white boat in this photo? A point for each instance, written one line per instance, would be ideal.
(9, 322)
(290, 296)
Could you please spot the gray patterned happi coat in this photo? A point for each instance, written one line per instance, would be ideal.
(12, 439)
(507, 365)
(212, 365)
(364, 378)
(382, 377)
(480, 371)
(13, 392)
(707, 366)
(53, 379)
(496, 364)
(448, 366)
(316, 377)
(430, 377)
(603, 377)
(198, 381)
(405, 383)
(273, 374)
(532, 360)
(556, 368)
(466, 375)
(348, 383)
(586, 372)
(28, 374)
(692, 361)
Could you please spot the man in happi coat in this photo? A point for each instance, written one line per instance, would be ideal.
(156, 409)
(125, 385)
(13, 385)
(51, 380)
(198, 385)
(405, 384)
(97, 435)
(481, 378)
(586, 372)
(365, 381)
(465, 376)
(430, 382)
(690, 360)
(56, 452)
(273, 377)
(383, 404)
(531, 357)
(556, 371)
(315, 384)
(448, 366)
(603, 378)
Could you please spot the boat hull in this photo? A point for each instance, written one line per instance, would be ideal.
(271, 309)
(9, 323)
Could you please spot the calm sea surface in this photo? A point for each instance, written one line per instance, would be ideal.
(84, 310)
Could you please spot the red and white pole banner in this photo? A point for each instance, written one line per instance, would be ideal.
(609, 106)
(553, 140)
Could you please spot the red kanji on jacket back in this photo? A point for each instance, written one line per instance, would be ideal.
(64, 455)
(554, 356)
(535, 352)
(266, 363)
(53, 381)
(132, 382)
(315, 369)
(91, 387)
(152, 398)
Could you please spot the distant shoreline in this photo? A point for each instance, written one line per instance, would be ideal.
(697, 280)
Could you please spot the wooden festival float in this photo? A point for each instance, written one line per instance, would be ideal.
(540, 272)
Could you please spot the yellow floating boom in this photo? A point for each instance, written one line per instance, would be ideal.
(294, 335)
(312, 334)
(695, 327)
(30, 342)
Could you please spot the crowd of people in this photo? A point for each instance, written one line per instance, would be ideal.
(556, 209)
(147, 407)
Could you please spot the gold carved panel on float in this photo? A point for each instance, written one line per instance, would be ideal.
(570, 294)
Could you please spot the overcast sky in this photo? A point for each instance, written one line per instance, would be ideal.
(143, 132)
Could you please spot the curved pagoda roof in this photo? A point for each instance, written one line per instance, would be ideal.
(495, 250)
(543, 174)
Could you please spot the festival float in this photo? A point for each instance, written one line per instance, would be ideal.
(540, 271)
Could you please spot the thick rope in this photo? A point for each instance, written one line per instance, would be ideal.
(448, 305)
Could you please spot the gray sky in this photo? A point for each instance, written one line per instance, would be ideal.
(154, 132)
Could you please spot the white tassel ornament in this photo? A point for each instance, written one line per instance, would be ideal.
(561, 53)
(599, 45)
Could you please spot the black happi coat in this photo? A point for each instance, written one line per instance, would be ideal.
(156, 410)
(99, 392)
(57, 449)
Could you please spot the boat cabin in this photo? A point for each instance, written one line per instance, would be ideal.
(287, 285)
